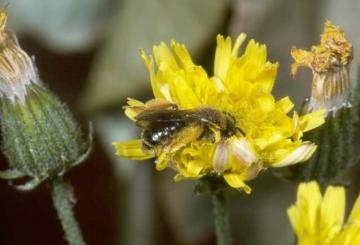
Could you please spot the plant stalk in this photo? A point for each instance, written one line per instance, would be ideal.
(61, 199)
(221, 215)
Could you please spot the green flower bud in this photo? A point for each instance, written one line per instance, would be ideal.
(41, 139)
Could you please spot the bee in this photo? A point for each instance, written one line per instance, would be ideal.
(166, 128)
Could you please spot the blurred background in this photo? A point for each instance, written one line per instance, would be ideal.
(87, 52)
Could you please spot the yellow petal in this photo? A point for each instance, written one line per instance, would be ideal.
(305, 213)
(262, 143)
(184, 95)
(256, 52)
(300, 154)
(237, 181)
(182, 55)
(130, 112)
(221, 157)
(178, 177)
(194, 169)
(135, 107)
(285, 104)
(155, 84)
(295, 218)
(350, 235)
(266, 77)
(162, 161)
(297, 132)
(355, 212)
(131, 149)
(266, 103)
(243, 151)
(332, 212)
(163, 55)
(239, 41)
(310, 196)
(222, 57)
(312, 120)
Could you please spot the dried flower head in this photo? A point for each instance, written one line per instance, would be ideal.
(41, 139)
(243, 130)
(17, 70)
(330, 64)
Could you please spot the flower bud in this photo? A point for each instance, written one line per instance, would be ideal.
(41, 139)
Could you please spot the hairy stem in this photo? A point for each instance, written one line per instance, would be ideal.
(61, 198)
(221, 215)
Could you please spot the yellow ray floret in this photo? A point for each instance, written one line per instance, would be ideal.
(319, 220)
(131, 150)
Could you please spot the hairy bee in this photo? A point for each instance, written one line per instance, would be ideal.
(167, 129)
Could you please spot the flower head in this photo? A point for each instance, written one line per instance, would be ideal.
(240, 89)
(41, 139)
(330, 64)
(319, 220)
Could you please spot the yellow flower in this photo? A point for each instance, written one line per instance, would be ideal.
(330, 64)
(241, 87)
(319, 220)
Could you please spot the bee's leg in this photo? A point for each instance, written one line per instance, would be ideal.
(215, 135)
(166, 155)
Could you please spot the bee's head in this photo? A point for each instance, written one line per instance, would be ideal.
(229, 129)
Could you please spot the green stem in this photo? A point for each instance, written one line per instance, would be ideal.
(60, 196)
(221, 215)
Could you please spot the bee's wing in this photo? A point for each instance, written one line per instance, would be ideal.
(149, 118)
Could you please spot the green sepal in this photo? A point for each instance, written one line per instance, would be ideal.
(41, 138)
